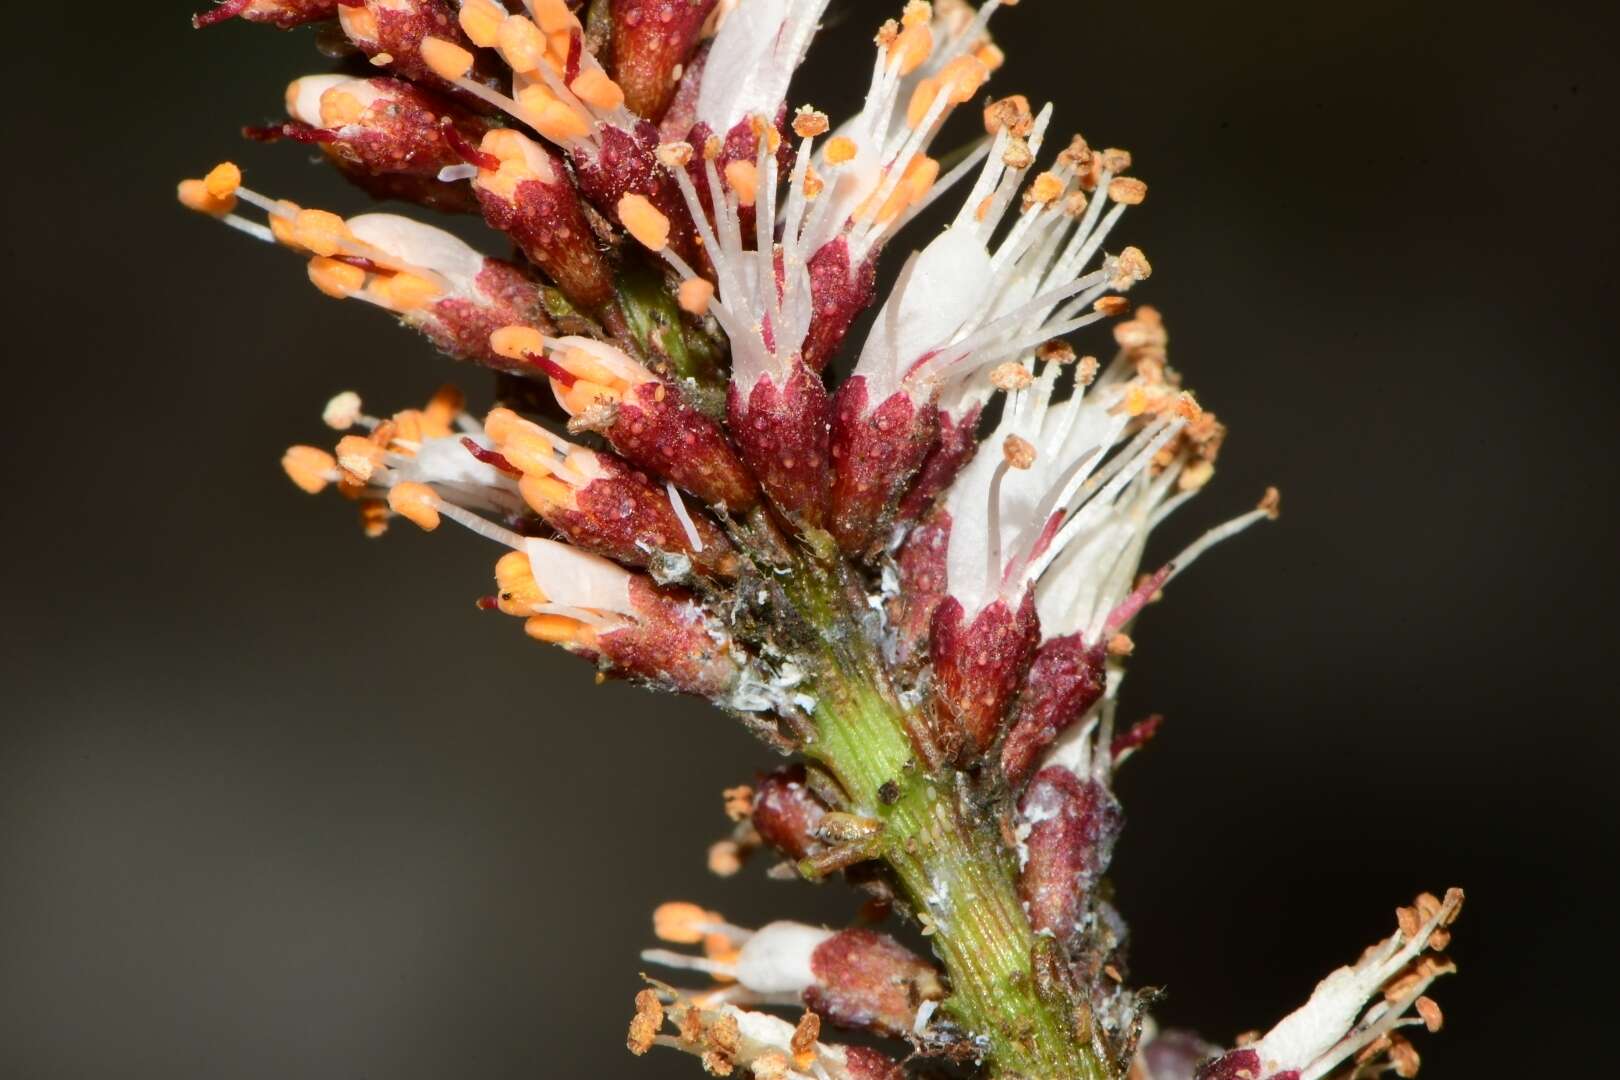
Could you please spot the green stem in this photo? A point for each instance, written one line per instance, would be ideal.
(949, 858)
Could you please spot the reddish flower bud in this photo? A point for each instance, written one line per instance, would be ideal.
(282, 14)
(461, 325)
(853, 978)
(672, 643)
(598, 502)
(958, 441)
(653, 427)
(922, 586)
(388, 137)
(979, 665)
(680, 115)
(786, 813)
(644, 418)
(526, 193)
(627, 164)
(782, 432)
(870, 981)
(876, 450)
(652, 42)
(391, 33)
(1072, 825)
(840, 293)
(600, 610)
(1066, 678)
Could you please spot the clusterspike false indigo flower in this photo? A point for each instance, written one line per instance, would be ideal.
(920, 581)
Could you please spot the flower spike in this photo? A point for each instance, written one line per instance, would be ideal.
(920, 582)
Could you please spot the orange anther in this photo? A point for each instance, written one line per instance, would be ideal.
(922, 100)
(514, 578)
(840, 148)
(644, 221)
(560, 630)
(808, 123)
(448, 60)
(521, 44)
(743, 178)
(682, 923)
(481, 21)
(695, 295)
(963, 77)
(1127, 190)
(338, 280)
(559, 122)
(308, 467)
(542, 493)
(584, 395)
(359, 457)
(193, 195)
(405, 292)
(594, 88)
(517, 343)
(320, 231)
(416, 503)
(554, 15)
(223, 180)
(282, 223)
(912, 48)
(340, 108)
(559, 44)
(1046, 189)
(534, 98)
(359, 24)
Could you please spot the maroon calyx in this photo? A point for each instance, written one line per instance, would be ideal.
(875, 454)
(402, 26)
(1066, 678)
(869, 981)
(626, 163)
(839, 292)
(623, 516)
(921, 567)
(1073, 825)
(656, 430)
(652, 40)
(782, 432)
(1242, 1064)
(680, 115)
(979, 665)
(669, 644)
(461, 325)
(787, 813)
(546, 220)
(957, 443)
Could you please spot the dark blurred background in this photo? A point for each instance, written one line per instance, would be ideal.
(275, 801)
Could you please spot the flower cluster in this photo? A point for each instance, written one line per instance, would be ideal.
(920, 579)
